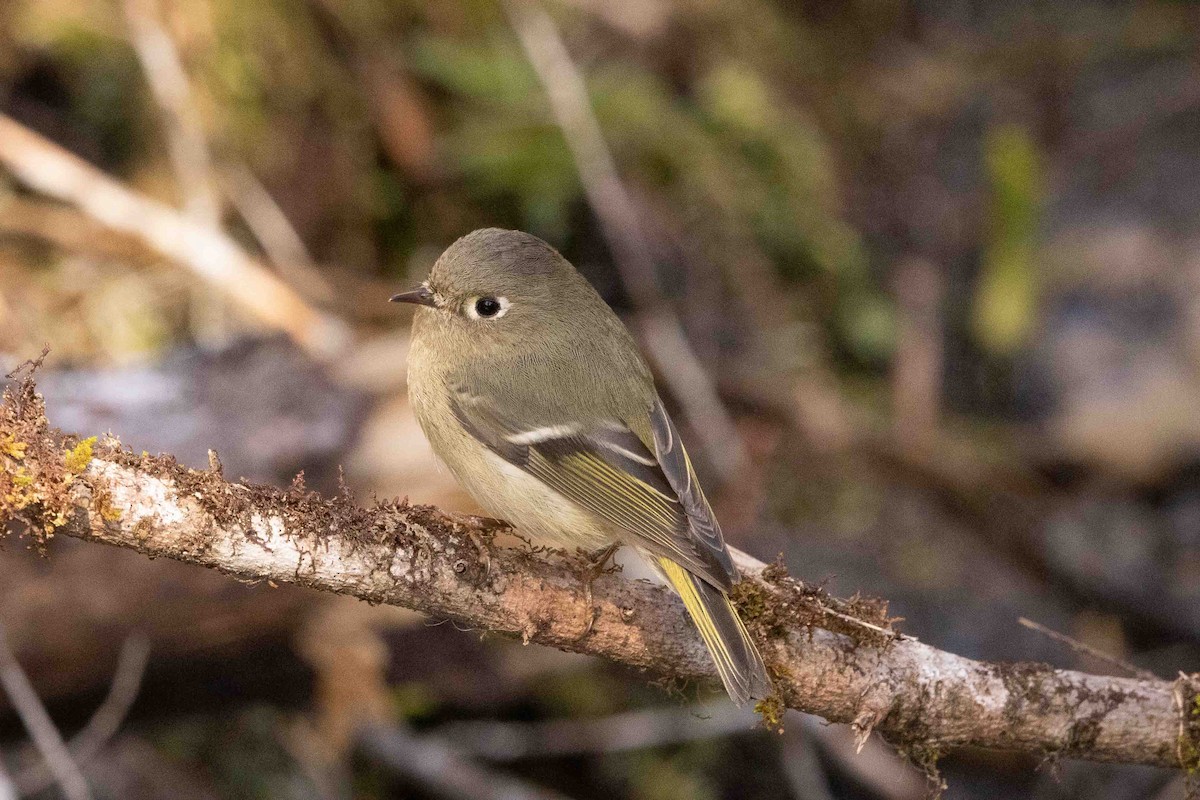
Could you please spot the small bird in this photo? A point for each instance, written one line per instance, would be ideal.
(533, 393)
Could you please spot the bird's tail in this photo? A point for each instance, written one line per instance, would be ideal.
(738, 661)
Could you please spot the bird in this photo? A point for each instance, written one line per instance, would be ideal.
(532, 392)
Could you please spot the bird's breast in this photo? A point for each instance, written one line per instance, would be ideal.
(504, 490)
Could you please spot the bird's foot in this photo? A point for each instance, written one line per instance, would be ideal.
(485, 556)
(595, 561)
(593, 569)
(488, 525)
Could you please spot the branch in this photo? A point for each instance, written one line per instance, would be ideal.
(274, 232)
(192, 161)
(422, 558)
(186, 142)
(8, 790)
(41, 728)
(877, 767)
(442, 768)
(1086, 649)
(617, 733)
(209, 253)
(105, 721)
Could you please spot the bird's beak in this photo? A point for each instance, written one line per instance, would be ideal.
(420, 296)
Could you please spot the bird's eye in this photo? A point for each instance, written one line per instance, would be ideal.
(488, 307)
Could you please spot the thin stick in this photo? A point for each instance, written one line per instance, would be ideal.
(271, 227)
(618, 733)
(187, 145)
(37, 722)
(192, 161)
(920, 345)
(862, 623)
(877, 767)
(186, 141)
(107, 719)
(1088, 650)
(211, 254)
(8, 790)
(442, 769)
(749, 566)
(662, 332)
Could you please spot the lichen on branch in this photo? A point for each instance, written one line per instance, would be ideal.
(37, 467)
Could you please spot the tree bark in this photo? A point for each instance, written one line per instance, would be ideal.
(824, 660)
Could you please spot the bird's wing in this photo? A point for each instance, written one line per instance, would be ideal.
(677, 468)
(607, 469)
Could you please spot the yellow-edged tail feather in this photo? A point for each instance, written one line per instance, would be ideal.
(737, 660)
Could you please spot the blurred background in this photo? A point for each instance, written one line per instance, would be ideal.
(919, 280)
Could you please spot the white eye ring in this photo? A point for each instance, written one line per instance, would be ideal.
(473, 307)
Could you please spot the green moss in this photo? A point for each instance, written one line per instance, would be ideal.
(750, 600)
(771, 710)
(35, 470)
(77, 458)
(10, 447)
(24, 487)
(20, 493)
(1189, 755)
(1189, 739)
(1188, 744)
(925, 758)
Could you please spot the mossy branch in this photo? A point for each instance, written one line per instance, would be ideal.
(836, 659)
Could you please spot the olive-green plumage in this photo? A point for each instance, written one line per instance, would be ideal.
(534, 395)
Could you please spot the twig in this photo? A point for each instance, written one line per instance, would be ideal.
(126, 684)
(442, 769)
(662, 332)
(749, 565)
(8, 790)
(209, 253)
(1184, 697)
(862, 623)
(1088, 650)
(917, 364)
(421, 558)
(40, 727)
(65, 228)
(877, 767)
(632, 730)
(107, 719)
(271, 227)
(188, 146)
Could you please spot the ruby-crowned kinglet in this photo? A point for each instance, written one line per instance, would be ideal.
(534, 395)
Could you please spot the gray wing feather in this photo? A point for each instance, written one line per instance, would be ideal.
(677, 468)
(608, 470)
